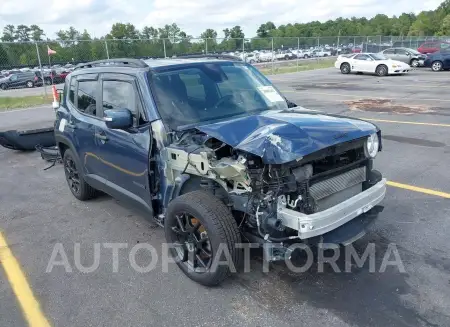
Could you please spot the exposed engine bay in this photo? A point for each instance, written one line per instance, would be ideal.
(257, 192)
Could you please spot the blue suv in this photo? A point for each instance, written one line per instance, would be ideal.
(210, 149)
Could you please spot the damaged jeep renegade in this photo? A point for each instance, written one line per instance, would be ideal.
(210, 149)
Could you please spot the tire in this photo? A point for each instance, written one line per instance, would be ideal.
(306, 56)
(325, 55)
(251, 62)
(3, 86)
(216, 221)
(286, 57)
(436, 66)
(48, 81)
(381, 70)
(345, 68)
(30, 84)
(83, 190)
(414, 63)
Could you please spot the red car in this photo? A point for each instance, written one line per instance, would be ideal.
(356, 50)
(433, 46)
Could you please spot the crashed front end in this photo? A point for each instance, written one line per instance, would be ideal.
(279, 190)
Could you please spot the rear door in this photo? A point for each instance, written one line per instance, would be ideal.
(83, 105)
(123, 155)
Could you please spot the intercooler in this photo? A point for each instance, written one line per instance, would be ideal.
(334, 190)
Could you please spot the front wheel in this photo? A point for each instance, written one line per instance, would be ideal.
(345, 68)
(436, 66)
(414, 63)
(30, 84)
(381, 70)
(202, 235)
(3, 86)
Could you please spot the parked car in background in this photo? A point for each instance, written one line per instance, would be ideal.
(438, 61)
(265, 56)
(356, 50)
(409, 56)
(285, 55)
(374, 63)
(321, 53)
(303, 53)
(20, 79)
(433, 46)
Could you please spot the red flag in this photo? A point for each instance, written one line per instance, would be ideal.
(50, 51)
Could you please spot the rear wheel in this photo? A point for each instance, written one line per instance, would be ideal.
(306, 56)
(78, 186)
(3, 86)
(345, 68)
(30, 84)
(436, 66)
(381, 70)
(202, 232)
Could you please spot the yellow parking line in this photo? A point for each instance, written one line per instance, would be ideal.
(406, 122)
(419, 189)
(30, 306)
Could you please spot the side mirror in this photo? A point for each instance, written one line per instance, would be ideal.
(408, 54)
(118, 118)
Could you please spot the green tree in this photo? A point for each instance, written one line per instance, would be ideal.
(265, 29)
(36, 33)
(23, 33)
(9, 33)
(445, 26)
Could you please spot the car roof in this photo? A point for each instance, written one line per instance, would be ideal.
(135, 65)
(154, 63)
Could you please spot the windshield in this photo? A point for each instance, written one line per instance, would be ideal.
(202, 92)
(378, 56)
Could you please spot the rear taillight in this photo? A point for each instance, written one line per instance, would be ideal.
(35, 78)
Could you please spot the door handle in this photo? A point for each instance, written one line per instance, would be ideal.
(101, 136)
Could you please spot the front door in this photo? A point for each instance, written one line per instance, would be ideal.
(124, 154)
(362, 63)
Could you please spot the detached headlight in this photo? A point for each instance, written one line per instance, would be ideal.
(395, 66)
(372, 146)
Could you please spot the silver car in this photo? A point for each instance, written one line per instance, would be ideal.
(410, 56)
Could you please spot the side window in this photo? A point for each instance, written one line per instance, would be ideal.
(400, 52)
(445, 45)
(119, 95)
(72, 90)
(362, 57)
(13, 78)
(86, 97)
(389, 52)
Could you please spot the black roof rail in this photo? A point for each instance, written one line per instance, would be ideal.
(210, 56)
(125, 62)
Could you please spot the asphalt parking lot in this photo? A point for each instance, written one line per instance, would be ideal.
(39, 212)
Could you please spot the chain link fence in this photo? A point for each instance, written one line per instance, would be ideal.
(266, 53)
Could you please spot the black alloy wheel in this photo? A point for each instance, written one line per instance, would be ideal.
(72, 176)
(192, 243)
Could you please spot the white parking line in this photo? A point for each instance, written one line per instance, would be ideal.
(24, 109)
(362, 96)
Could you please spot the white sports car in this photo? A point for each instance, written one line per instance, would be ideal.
(374, 63)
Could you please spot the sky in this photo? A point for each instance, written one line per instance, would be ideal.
(193, 16)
